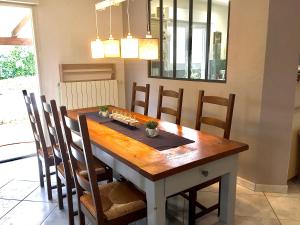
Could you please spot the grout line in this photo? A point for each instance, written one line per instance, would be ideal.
(31, 181)
(49, 214)
(31, 193)
(6, 183)
(19, 202)
(272, 208)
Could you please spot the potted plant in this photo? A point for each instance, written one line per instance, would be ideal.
(151, 128)
(104, 110)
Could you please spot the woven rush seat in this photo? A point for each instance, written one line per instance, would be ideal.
(118, 199)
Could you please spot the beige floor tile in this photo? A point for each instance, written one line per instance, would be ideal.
(239, 190)
(28, 213)
(212, 219)
(289, 195)
(245, 220)
(254, 206)
(290, 222)
(18, 190)
(58, 217)
(6, 206)
(286, 207)
(207, 198)
(243, 190)
(40, 195)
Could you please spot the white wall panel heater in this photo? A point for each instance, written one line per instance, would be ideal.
(84, 94)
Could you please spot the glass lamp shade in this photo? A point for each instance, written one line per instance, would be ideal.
(97, 49)
(129, 47)
(148, 48)
(112, 48)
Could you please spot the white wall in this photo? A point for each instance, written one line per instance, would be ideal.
(64, 30)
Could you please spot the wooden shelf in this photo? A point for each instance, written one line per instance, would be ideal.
(86, 72)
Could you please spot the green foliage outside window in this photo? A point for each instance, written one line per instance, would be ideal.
(19, 62)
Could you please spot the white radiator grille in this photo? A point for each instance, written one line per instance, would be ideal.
(85, 94)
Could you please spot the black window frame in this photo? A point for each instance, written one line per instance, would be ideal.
(190, 30)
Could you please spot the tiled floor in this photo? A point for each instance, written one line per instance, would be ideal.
(23, 202)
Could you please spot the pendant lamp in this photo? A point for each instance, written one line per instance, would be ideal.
(148, 47)
(129, 45)
(111, 46)
(97, 47)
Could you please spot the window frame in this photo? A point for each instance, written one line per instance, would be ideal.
(190, 34)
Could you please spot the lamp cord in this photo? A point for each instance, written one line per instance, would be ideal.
(148, 18)
(128, 19)
(110, 19)
(96, 15)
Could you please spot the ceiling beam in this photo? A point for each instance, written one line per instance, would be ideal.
(20, 26)
(15, 41)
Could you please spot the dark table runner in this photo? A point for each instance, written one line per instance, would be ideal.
(163, 141)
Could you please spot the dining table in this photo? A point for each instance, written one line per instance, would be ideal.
(177, 159)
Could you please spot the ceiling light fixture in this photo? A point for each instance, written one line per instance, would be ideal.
(129, 45)
(97, 46)
(111, 46)
(148, 47)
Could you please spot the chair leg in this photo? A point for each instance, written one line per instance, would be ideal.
(59, 193)
(192, 207)
(40, 165)
(219, 200)
(70, 204)
(81, 217)
(48, 180)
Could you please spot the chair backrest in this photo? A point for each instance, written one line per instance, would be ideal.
(227, 102)
(134, 102)
(35, 122)
(174, 94)
(82, 155)
(55, 133)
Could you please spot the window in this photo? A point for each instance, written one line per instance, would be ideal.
(193, 39)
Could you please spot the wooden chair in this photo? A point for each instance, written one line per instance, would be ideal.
(226, 126)
(44, 153)
(98, 202)
(169, 93)
(64, 174)
(134, 102)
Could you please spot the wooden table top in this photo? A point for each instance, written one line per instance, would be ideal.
(155, 164)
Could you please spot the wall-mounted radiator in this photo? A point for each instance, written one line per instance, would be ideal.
(86, 94)
(87, 85)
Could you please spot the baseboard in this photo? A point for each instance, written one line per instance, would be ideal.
(262, 187)
(246, 183)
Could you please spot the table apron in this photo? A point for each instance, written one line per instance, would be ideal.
(174, 183)
(118, 166)
(198, 175)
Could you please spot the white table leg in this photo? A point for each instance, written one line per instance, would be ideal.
(156, 200)
(228, 196)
